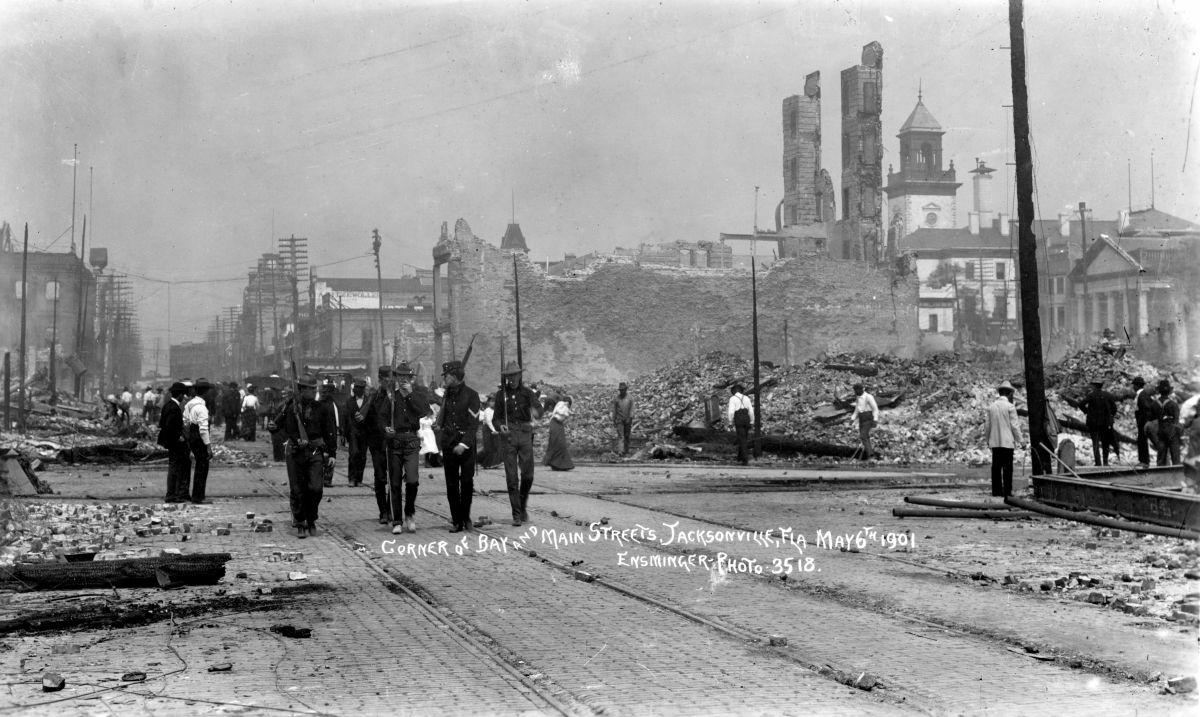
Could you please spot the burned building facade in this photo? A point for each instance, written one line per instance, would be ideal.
(860, 229)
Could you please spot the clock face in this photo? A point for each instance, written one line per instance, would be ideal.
(931, 218)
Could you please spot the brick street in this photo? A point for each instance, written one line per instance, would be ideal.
(641, 598)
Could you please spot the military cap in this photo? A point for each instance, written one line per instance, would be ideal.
(451, 367)
(510, 368)
(384, 370)
(307, 380)
(403, 369)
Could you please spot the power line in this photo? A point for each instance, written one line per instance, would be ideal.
(533, 88)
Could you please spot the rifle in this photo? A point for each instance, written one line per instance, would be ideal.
(300, 429)
(467, 355)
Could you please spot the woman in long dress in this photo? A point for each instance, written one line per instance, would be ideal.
(558, 452)
(489, 453)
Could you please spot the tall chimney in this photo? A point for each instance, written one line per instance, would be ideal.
(1064, 224)
(1005, 223)
(973, 222)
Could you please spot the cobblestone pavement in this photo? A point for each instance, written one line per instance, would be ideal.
(890, 580)
(495, 632)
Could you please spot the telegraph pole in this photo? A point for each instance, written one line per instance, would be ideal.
(1031, 326)
(517, 302)
(377, 242)
(754, 329)
(53, 340)
(24, 303)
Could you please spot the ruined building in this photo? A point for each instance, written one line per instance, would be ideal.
(621, 317)
(861, 227)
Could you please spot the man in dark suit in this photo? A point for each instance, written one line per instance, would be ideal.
(171, 437)
(457, 427)
(355, 430)
(1146, 409)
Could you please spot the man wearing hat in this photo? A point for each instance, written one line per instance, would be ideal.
(171, 436)
(371, 416)
(231, 407)
(1169, 432)
(516, 408)
(622, 416)
(399, 421)
(1146, 409)
(354, 429)
(199, 438)
(1100, 408)
(457, 427)
(311, 445)
(1003, 432)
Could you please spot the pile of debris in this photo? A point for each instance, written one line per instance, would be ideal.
(81, 532)
(931, 410)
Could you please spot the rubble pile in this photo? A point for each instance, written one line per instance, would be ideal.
(931, 410)
(50, 532)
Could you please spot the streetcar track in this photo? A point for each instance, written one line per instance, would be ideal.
(427, 604)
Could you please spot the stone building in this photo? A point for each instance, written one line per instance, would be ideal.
(1142, 282)
(922, 194)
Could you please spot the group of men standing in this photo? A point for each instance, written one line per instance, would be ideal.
(184, 430)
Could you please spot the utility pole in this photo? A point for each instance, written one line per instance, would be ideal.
(1031, 325)
(517, 303)
(754, 329)
(376, 243)
(53, 340)
(80, 316)
(24, 307)
(74, 174)
(7, 390)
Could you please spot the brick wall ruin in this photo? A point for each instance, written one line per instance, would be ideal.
(620, 319)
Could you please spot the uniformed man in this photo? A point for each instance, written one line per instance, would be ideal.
(516, 407)
(311, 445)
(457, 427)
(399, 422)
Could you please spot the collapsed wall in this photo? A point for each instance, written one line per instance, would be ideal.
(620, 319)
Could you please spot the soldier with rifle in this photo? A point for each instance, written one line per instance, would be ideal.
(516, 408)
(311, 445)
(399, 422)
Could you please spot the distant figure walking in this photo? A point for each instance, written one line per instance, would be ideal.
(558, 450)
(249, 417)
(231, 407)
(1003, 435)
(740, 414)
(865, 410)
(622, 416)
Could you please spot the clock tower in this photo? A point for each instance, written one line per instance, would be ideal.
(921, 194)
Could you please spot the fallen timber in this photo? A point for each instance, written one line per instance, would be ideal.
(780, 445)
(963, 504)
(1005, 514)
(1125, 525)
(165, 571)
(1167, 508)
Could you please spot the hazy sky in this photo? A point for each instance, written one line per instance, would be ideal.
(213, 126)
